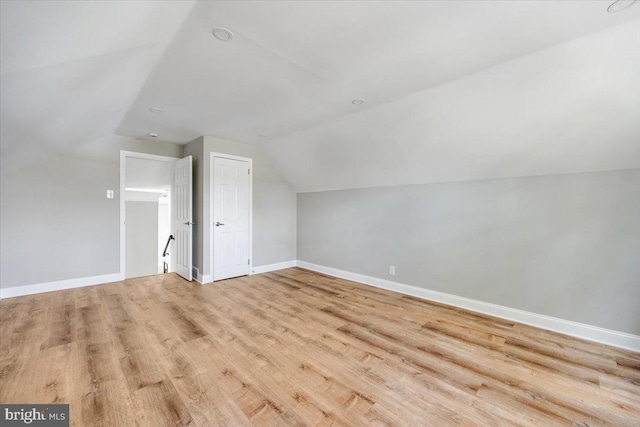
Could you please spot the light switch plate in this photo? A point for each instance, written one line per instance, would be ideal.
(109, 194)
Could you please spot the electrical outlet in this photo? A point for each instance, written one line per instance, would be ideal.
(392, 270)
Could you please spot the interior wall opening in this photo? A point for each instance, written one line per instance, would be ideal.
(148, 202)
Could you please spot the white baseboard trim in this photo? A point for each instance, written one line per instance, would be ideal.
(203, 279)
(273, 267)
(567, 327)
(254, 270)
(38, 288)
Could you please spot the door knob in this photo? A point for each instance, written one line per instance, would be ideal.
(218, 224)
(188, 223)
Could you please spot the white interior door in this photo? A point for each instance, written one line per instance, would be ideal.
(231, 182)
(183, 187)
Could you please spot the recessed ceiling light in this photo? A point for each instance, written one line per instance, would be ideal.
(357, 101)
(222, 34)
(153, 135)
(620, 5)
(155, 110)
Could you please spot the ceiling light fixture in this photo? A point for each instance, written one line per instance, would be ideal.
(155, 110)
(357, 101)
(222, 34)
(153, 135)
(620, 5)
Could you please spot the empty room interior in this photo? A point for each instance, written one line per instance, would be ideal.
(320, 213)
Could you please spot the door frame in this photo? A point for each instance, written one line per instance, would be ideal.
(212, 156)
(123, 181)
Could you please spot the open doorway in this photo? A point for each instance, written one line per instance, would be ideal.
(156, 215)
(148, 217)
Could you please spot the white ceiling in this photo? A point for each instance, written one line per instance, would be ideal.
(454, 89)
(70, 70)
(571, 108)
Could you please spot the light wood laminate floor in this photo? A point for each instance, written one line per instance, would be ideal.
(295, 347)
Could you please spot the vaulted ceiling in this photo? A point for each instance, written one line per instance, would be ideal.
(453, 90)
(70, 70)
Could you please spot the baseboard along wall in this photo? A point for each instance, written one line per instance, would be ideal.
(567, 327)
(38, 288)
(273, 267)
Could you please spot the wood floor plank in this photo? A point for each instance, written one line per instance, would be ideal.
(160, 405)
(294, 347)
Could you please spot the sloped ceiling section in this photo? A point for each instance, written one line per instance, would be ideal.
(574, 107)
(453, 90)
(296, 64)
(71, 69)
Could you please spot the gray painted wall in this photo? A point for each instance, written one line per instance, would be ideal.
(164, 231)
(567, 246)
(274, 204)
(55, 220)
(57, 224)
(142, 239)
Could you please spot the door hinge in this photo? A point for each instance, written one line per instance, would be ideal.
(248, 262)
(248, 171)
